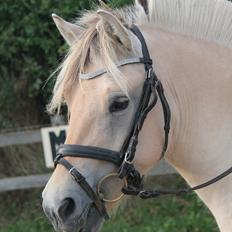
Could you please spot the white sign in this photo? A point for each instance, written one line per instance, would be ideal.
(52, 137)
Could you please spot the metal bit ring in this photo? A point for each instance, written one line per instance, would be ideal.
(100, 184)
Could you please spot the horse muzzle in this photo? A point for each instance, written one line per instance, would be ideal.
(65, 216)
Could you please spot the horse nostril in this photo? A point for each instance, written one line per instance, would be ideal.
(66, 208)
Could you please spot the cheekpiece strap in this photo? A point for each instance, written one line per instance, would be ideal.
(80, 179)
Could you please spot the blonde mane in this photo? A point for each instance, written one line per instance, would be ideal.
(205, 19)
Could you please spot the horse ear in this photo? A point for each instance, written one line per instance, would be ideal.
(144, 4)
(69, 31)
(114, 27)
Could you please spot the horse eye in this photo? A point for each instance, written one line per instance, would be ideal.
(119, 104)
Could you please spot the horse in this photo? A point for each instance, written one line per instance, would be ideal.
(190, 43)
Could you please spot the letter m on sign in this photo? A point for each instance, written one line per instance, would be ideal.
(52, 137)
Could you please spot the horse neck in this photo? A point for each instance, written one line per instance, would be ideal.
(196, 75)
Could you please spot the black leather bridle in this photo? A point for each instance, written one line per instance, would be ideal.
(123, 159)
(152, 90)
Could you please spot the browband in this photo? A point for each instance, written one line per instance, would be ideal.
(92, 75)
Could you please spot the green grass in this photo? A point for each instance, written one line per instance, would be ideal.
(21, 212)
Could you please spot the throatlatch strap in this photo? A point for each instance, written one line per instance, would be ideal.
(156, 82)
(167, 116)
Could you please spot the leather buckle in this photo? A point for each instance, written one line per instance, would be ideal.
(126, 158)
(148, 194)
(126, 167)
(149, 73)
(76, 175)
(56, 160)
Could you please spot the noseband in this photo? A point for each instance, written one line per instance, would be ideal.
(152, 90)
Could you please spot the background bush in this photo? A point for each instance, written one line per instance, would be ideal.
(30, 49)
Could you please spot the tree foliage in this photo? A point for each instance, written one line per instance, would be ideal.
(30, 49)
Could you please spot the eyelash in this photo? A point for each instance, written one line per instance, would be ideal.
(119, 104)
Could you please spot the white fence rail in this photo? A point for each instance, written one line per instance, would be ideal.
(23, 182)
(35, 181)
(20, 137)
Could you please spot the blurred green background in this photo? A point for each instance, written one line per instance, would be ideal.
(30, 50)
(21, 212)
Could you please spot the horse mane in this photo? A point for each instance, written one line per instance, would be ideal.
(205, 19)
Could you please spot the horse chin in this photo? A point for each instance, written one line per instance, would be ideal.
(89, 221)
(93, 221)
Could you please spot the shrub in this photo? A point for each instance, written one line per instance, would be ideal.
(30, 49)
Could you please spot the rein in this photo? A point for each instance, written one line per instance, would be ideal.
(151, 92)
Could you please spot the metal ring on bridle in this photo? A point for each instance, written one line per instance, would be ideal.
(100, 184)
(126, 159)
